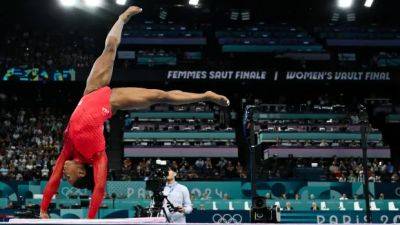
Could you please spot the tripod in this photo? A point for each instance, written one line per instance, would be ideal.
(364, 130)
(158, 200)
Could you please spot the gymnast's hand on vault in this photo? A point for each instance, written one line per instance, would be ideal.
(44, 215)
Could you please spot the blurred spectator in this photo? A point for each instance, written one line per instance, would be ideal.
(192, 173)
(226, 197)
(268, 195)
(343, 197)
(381, 196)
(283, 196)
(288, 207)
(314, 206)
(205, 196)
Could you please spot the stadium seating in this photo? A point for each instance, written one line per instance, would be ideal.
(160, 128)
(263, 38)
(368, 36)
(151, 33)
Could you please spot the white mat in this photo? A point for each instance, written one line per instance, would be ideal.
(88, 221)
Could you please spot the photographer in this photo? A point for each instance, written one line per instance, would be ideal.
(179, 196)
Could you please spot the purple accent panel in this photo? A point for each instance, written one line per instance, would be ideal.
(231, 152)
(327, 152)
(351, 42)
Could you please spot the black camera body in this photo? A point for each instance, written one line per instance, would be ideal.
(155, 183)
(157, 177)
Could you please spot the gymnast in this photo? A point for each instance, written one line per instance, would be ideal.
(83, 161)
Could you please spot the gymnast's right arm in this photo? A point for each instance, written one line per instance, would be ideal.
(54, 182)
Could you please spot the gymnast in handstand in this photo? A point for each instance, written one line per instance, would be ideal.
(83, 160)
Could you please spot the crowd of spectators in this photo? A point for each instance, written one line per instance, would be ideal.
(324, 103)
(27, 47)
(343, 120)
(217, 122)
(307, 126)
(48, 50)
(311, 197)
(30, 140)
(334, 169)
(188, 168)
(162, 123)
(324, 144)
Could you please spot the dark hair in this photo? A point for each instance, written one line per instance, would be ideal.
(87, 181)
(173, 168)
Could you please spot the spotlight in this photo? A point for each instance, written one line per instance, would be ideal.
(368, 3)
(193, 2)
(93, 3)
(67, 3)
(120, 2)
(345, 4)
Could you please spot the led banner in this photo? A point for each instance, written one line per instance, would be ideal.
(216, 189)
(201, 74)
(337, 75)
(38, 74)
(268, 76)
(335, 217)
(263, 75)
(216, 75)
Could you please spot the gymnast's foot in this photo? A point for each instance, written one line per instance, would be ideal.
(133, 10)
(217, 99)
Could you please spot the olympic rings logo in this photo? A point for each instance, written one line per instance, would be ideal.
(67, 191)
(227, 218)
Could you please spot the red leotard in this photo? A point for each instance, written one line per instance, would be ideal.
(84, 142)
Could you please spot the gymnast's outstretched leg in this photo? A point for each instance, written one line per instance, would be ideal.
(101, 72)
(139, 98)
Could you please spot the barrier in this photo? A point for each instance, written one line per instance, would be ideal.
(89, 221)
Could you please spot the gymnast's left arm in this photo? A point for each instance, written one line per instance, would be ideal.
(100, 170)
(54, 181)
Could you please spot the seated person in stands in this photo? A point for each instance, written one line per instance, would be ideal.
(381, 196)
(343, 197)
(288, 207)
(314, 207)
